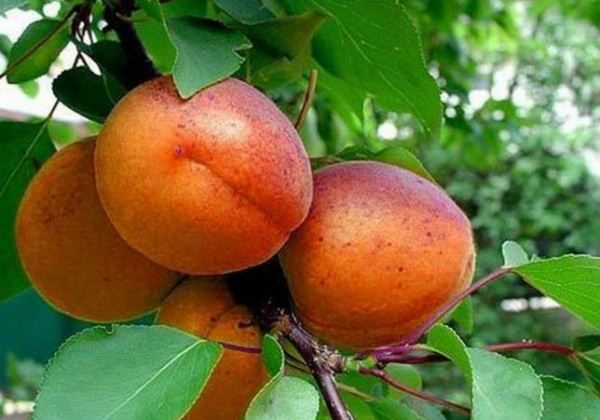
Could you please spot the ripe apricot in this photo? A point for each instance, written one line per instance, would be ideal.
(379, 252)
(204, 307)
(71, 252)
(208, 185)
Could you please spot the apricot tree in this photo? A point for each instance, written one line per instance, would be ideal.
(286, 284)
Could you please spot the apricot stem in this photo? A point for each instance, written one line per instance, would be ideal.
(497, 348)
(309, 95)
(405, 345)
(461, 409)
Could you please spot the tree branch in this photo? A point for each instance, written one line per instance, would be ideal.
(134, 49)
(263, 289)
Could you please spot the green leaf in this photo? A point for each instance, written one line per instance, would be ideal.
(30, 88)
(273, 356)
(282, 397)
(445, 341)
(247, 11)
(287, 399)
(6, 5)
(24, 147)
(374, 46)
(281, 48)
(392, 409)
(158, 45)
(404, 374)
(588, 358)
(409, 409)
(503, 385)
(463, 315)
(571, 280)
(88, 94)
(498, 384)
(36, 49)
(401, 157)
(111, 58)
(394, 155)
(133, 371)
(514, 255)
(568, 400)
(206, 52)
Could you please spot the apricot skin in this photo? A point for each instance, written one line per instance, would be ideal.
(71, 252)
(209, 185)
(204, 307)
(380, 251)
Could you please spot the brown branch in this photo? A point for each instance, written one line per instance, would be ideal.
(263, 289)
(461, 409)
(133, 47)
(309, 95)
(322, 361)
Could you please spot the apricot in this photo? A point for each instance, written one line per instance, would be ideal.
(203, 306)
(380, 251)
(208, 185)
(73, 255)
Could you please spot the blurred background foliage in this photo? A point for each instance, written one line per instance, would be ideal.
(519, 152)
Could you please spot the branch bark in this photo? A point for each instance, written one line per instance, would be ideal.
(263, 289)
(134, 49)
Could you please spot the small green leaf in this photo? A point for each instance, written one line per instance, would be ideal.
(88, 94)
(588, 358)
(286, 399)
(282, 397)
(463, 315)
(568, 400)
(36, 49)
(273, 356)
(6, 5)
(24, 147)
(247, 11)
(571, 280)
(30, 88)
(206, 52)
(134, 372)
(514, 255)
(374, 46)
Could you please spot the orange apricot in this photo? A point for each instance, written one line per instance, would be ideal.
(73, 255)
(208, 185)
(203, 306)
(380, 251)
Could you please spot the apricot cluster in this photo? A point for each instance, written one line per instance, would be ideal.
(175, 194)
